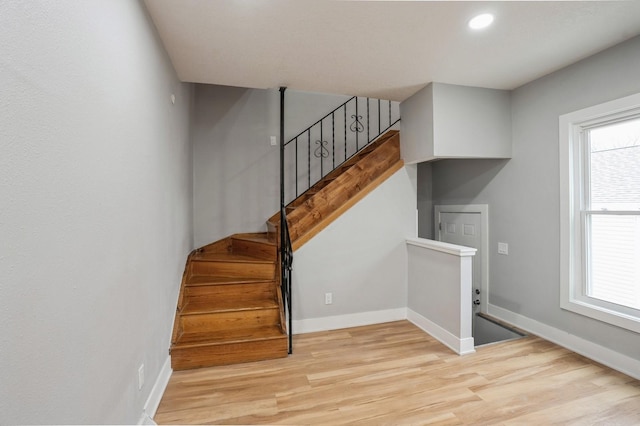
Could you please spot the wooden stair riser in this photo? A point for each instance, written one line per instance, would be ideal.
(201, 323)
(260, 250)
(272, 230)
(264, 271)
(224, 354)
(222, 246)
(252, 291)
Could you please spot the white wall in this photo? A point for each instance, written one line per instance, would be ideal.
(523, 193)
(95, 222)
(361, 258)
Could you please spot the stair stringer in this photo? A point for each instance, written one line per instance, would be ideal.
(341, 189)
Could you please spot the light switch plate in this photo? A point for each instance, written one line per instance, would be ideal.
(503, 248)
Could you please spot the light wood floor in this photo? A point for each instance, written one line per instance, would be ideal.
(396, 374)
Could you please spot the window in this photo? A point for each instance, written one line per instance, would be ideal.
(600, 212)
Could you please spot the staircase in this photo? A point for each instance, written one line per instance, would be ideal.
(325, 201)
(231, 308)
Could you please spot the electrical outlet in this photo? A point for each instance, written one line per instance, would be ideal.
(273, 140)
(328, 298)
(140, 376)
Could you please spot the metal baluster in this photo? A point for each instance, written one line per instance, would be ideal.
(368, 137)
(321, 152)
(309, 158)
(379, 128)
(296, 167)
(345, 132)
(389, 113)
(333, 141)
(357, 148)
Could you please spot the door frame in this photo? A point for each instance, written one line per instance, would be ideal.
(483, 210)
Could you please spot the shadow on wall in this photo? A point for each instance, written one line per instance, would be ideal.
(462, 181)
(228, 101)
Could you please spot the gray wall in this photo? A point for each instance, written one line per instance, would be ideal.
(452, 121)
(366, 271)
(471, 122)
(425, 200)
(434, 288)
(523, 193)
(95, 216)
(302, 109)
(236, 170)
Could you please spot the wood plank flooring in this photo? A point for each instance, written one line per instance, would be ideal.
(394, 373)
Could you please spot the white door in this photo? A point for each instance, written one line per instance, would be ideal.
(464, 229)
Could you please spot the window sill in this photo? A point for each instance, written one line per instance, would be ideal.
(603, 314)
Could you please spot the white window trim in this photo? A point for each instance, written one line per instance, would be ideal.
(571, 297)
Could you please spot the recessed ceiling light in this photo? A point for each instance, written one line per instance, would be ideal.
(481, 21)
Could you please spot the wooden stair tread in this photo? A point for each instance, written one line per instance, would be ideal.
(229, 336)
(196, 280)
(229, 257)
(207, 305)
(258, 238)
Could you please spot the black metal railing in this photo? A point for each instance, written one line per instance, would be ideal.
(286, 249)
(335, 138)
(286, 266)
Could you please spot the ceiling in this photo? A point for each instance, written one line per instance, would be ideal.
(385, 49)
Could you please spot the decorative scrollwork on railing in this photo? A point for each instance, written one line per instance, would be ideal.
(337, 137)
(356, 126)
(321, 150)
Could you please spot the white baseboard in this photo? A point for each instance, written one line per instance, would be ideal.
(601, 354)
(459, 346)
(153, 401)
(336, 322)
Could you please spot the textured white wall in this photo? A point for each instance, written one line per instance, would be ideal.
(95, 216)
(361, 257)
